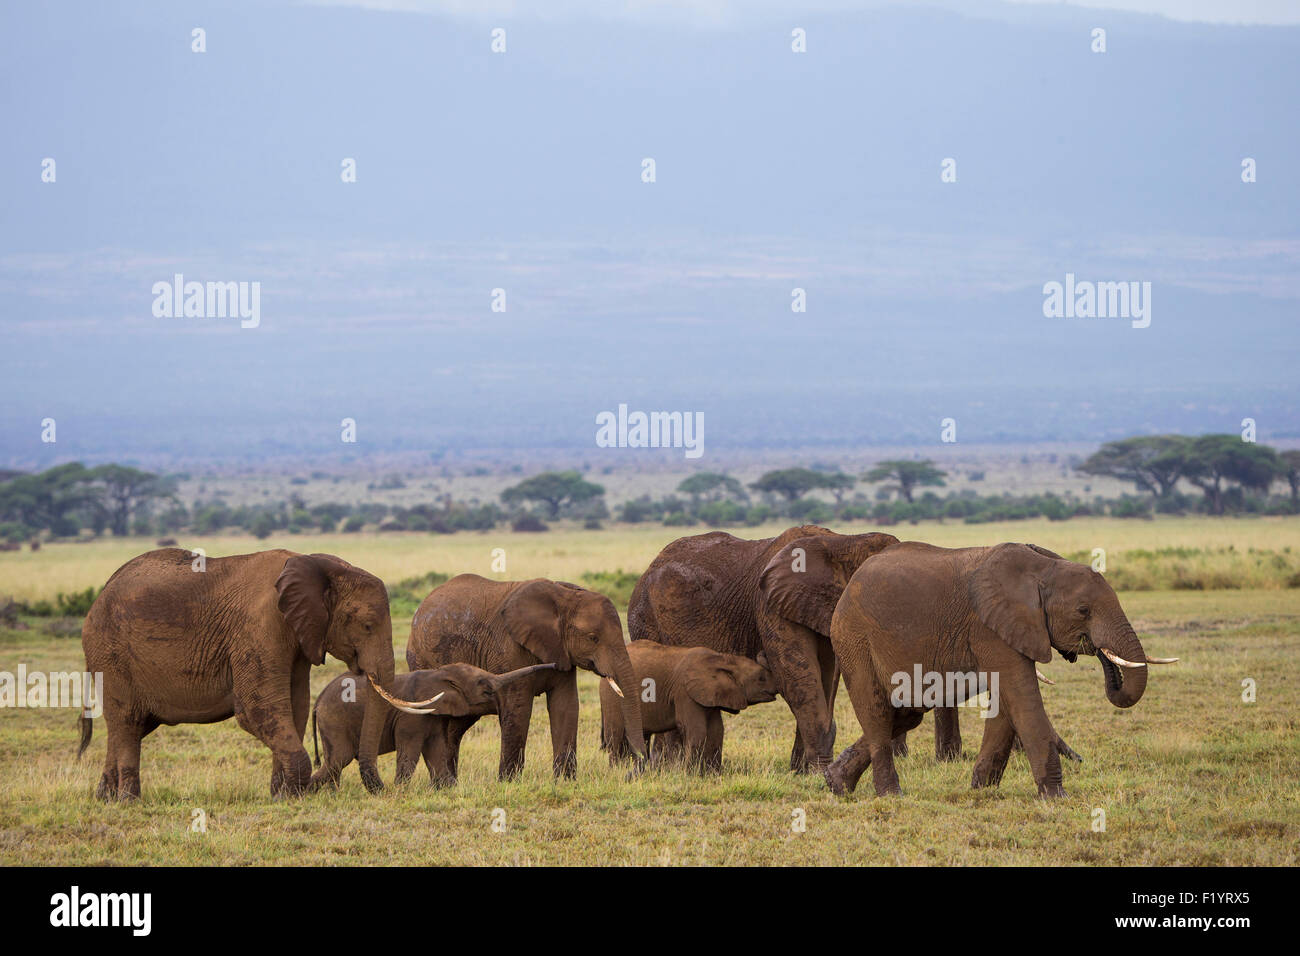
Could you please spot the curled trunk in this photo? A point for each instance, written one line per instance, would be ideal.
(1124, 685)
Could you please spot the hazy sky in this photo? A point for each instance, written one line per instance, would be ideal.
(522, 171)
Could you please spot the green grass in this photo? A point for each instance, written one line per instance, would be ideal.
(1190, 776)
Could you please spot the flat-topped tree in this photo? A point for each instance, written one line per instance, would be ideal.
(907, 475)
(1153, 463)
(555, 489)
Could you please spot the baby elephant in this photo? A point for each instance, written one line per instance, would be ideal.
(457, 690)
(683, 692)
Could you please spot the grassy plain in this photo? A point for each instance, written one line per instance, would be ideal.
(1192, 775)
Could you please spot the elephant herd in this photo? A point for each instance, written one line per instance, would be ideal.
(717, 623)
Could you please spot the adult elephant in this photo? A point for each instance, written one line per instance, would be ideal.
(989, 611)
(501, 626)
(772, 595)
(183, 640)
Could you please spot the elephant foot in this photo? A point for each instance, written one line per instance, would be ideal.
(984, 776)
(370, 778)
(899, 745)
(1051, 791)
(838, 783)
(107, 789)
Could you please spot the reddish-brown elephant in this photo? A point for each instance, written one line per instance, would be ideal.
(504, 625)
(182, 639)
(685, 690)
(948, 615)
(773, 595)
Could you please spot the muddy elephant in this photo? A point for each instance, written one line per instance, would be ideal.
(504, 625)
(965, 618)
(685, 690)
(457, 690)
(774, 595)
(182, 639)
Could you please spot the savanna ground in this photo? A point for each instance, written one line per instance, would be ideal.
(1191, 775)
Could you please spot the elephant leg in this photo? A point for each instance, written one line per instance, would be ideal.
(270, 717)
(455, 728)
(128, 756)
(113, 724)
(899, 745)
(999, 738)
(1024, 706)
(713, 742)
(562, 709)
(947, 734)
(880, 723)
(794, 655)
(436, 759)
(693, 725)
(669, 747)
(408, 740)
(516, 715)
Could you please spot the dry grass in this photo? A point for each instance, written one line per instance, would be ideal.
(1192, 775)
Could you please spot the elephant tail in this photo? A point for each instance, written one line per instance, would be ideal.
(315, 743)
(87, 728)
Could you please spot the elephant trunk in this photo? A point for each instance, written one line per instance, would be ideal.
(630, 700)
(372, 725)
(1126, 680)
(502, 681)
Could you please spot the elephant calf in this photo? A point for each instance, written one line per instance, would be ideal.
(685, 689)
(457, 690)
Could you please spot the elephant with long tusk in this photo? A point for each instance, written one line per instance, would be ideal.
(999, 610)
(414, 728)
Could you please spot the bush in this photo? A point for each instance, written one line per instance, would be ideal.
(615, 585)
(528, 523)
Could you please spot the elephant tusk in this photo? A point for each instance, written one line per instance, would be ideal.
(614, 684)
(1044, 678)
(1116, 659)
(410, 707)
(1162, 660)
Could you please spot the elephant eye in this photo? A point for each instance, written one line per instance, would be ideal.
(1084, 610)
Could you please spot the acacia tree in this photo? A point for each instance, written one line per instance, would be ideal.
(555, 489)
(839, 484)
(907, 475)
(127, 492)
(792, 483)
(711, 486)
(1216, 459)
(49, 500)
(1153, 463)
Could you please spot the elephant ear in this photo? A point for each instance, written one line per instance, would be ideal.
(531, 617)
(716, 687)
(1005, 591)
(304, 600)
(804, 580)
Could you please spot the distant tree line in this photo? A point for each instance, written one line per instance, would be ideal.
(1227, 475)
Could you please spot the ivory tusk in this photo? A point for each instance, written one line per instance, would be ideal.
(614, 684)
(1162, 660)
(1116, 659)
(409, 706)
(1044, 678)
